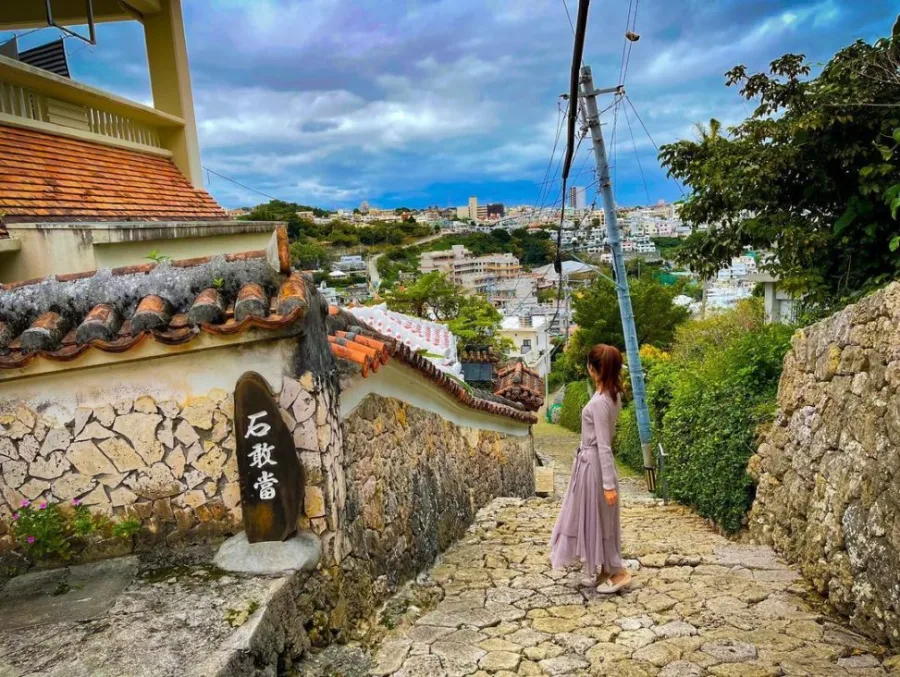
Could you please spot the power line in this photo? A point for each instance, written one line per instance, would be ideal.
(637, 155)
(574, 81)
(238, 183)
(559, 125)
(629, 40)
(568, 16)
(22, 35)
(625, 42)
(877, 105)
(647, 132)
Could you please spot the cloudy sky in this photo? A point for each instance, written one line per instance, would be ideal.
(420, 102)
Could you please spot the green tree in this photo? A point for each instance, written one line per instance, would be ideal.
(805, 177)
(278, 210)
(431, 297)
(478, 322)
(310, 255)
(597, 315)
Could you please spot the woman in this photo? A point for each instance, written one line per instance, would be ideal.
(588, 525)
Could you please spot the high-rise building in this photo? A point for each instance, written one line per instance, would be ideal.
(473, 208)
(364, 207)
(576, 197)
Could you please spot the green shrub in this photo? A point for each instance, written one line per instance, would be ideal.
(577, 395)
(707, 402)
(627, 444)
(710, 415)
(60, 533)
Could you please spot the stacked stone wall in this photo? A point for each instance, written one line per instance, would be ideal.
(172, 465)
(414, 482)
(828, 471)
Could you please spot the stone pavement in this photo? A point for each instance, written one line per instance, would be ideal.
(700, 604)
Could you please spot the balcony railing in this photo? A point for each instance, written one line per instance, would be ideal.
(31, 97)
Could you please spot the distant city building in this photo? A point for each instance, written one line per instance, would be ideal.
(495, 210)
(577, 197)
(473, 208)
(351, 264)
(573, 271)
(364, 207)
(462, 212)
(473, 273)
(509, 294)
(308, 215)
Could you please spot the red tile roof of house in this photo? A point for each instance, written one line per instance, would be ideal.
(519, 383)
(354, 342)
(45, 177)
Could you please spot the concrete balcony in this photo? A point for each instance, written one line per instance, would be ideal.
(36, 99)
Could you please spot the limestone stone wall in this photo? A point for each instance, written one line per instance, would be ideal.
(414, 483)
(828, 472)
(170, 464)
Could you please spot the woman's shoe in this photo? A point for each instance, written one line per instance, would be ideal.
(590, 582)
(611, 588)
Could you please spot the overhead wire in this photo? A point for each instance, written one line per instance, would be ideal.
(22, 35)
(574, 82)
(568, 15)
(626, 52)
(238, 183)
(637, 155)
(649, 136)
(629, 42)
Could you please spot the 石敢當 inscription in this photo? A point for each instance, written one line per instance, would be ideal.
(271, 477)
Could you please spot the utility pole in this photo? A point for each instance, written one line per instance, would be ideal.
(592, 117)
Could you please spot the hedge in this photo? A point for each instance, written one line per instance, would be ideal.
(707, 402)
(576, 396)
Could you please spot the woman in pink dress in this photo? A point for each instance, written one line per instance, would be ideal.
(588, 525)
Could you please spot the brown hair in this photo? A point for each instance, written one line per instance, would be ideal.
(607, 363)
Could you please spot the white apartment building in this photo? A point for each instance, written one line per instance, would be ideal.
(740, 268)
(350, 263)
(508, 295)
(474, 273)
(530, 339)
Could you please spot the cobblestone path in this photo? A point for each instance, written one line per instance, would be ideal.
(699, 605)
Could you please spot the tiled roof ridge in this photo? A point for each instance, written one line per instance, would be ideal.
(137, 268)
(520, 383)
(279, 247)
(351, 339)
(61, 334)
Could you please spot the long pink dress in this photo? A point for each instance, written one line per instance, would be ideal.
(588, 528)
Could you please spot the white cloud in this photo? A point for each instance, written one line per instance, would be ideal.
(720, 47)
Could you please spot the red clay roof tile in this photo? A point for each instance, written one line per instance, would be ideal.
(49, 177)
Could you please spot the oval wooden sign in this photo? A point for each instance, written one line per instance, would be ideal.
(271, 477)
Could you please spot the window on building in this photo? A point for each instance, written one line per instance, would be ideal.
(526, 346)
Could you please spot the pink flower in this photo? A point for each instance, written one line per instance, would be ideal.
(26, 503)
(31, 539)
(44, 505)
(76, 502)
(15, 516)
